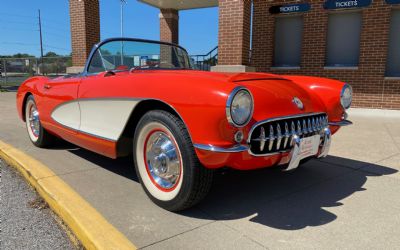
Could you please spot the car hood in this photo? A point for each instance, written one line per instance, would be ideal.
(273, 94)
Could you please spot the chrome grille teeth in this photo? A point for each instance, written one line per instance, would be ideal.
(293, 127)
(320, 123)
(287, 135)
(271, 137)
(299, 132)
(278, 136)
(262, 139)
(283, 131)
(314, 126)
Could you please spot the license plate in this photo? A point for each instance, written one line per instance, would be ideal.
(308, 147)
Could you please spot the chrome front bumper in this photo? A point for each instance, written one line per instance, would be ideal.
(241, 148)
(294, 156)
(293, 159)
(235, 149)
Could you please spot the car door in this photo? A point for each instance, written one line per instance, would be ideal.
(104, 109)
(59, 107)
(104, 105)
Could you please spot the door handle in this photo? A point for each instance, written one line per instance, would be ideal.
(47, 86)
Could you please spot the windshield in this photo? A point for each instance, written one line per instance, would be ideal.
(126, 55)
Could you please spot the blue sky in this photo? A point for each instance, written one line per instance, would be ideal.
(19, 25)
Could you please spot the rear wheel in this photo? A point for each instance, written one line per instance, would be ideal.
(37, 134)
(166, 164)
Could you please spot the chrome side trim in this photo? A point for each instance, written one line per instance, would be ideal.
(277, 119)
(112, 98)
(235, 149)
(67, 114)
(341, 123)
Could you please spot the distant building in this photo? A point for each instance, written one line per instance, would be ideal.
(356, 41)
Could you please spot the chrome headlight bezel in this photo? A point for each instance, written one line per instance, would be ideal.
(231, 99)
(346, 104)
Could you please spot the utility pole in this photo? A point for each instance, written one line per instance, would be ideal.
(123, 2)
(122, 17)
(41, 44)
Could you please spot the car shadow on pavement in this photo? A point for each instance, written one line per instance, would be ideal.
(122, 166)
(271, 197)
(289, 201)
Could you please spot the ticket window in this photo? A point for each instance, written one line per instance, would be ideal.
(288, 41)
(343, 40)
(393, 59)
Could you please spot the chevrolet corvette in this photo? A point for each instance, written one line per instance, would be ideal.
(144, 98)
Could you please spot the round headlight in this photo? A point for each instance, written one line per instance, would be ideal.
(239, 108)
(346, 96)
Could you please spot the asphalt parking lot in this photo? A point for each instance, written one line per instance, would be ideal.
(26, 220)
(349, 200)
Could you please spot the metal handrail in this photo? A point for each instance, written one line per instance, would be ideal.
(207, 60)
(209, 53)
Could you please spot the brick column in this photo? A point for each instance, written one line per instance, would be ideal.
(234, 36)
(85, 30)
(169, 25)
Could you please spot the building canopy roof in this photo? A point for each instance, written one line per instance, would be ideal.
(181, 4)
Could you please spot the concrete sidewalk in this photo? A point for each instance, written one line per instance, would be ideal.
(348, 200)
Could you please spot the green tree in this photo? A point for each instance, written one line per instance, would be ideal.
(51, 54)
(22, 55)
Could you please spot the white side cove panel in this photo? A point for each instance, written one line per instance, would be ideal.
(105, 118)
(67, 115)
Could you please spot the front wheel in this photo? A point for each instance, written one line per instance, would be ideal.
(166, 164)
(37, 134)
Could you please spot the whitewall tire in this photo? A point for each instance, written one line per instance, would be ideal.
(159, 161)
(32, 120)
(37, 134)
(166, 164)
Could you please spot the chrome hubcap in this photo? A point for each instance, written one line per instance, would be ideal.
(34, 123)
(163, 160)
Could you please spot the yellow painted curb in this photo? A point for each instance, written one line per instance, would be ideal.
(85, 222)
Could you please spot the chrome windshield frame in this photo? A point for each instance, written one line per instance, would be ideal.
(124, 39)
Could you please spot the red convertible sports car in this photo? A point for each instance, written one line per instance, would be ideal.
(144, 98)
